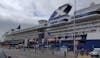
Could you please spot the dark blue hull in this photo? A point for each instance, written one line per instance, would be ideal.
(88, 45)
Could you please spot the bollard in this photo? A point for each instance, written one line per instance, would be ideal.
(52, 52)
(64, 53)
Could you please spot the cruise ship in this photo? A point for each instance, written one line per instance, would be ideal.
(62, 28)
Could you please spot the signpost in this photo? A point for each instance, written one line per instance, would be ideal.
(26, 42)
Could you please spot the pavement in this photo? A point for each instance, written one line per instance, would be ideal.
(31, 53)
(18, 53)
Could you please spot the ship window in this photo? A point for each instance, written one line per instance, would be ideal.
(66, 37)
(82, 41)
(65, 19)
(68, 9)
(67, 42)
(59, 37)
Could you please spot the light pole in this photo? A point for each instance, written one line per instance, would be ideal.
(74, 36)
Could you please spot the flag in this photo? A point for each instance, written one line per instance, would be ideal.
(19, 27)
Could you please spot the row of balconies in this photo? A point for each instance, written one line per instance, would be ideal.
(70, 33)
(78, 25)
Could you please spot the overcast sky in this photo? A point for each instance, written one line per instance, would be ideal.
(28, 12)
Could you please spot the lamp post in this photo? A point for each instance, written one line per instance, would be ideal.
(74, 36)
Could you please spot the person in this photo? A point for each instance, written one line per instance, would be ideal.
(82, 52)
(9, 56)
(9, 46)
(87, 52)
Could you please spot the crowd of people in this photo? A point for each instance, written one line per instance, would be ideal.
(84, 52)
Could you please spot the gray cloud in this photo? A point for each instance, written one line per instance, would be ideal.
(28, 12)
(7, 25)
